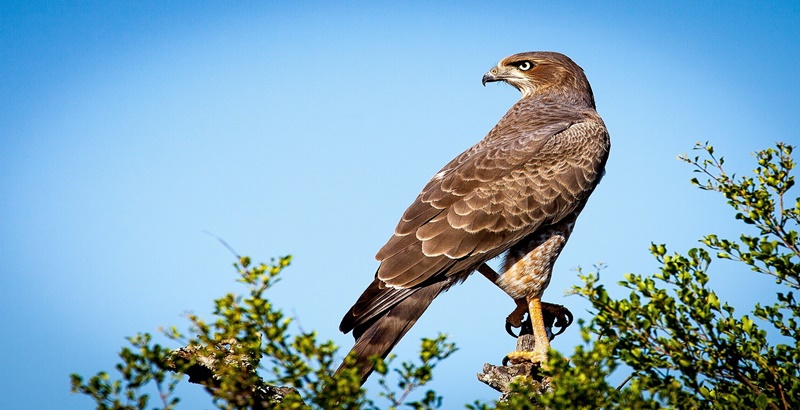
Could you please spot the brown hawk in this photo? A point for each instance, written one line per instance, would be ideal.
(518, 191)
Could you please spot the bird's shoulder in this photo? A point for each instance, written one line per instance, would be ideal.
(513, 145)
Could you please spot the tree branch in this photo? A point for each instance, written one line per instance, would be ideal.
(202, 369)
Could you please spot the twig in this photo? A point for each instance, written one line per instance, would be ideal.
(624, 382)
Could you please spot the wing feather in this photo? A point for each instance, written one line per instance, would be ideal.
(510, 186)
(483, 202)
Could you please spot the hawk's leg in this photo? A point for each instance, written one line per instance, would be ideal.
(556, 317)
(515, 318)
(540, 337)
(527, 271)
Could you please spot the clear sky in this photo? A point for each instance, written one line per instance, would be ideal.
(127, 129)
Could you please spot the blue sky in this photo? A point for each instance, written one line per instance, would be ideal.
(129, 129)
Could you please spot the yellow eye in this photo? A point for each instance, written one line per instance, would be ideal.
(525, 65)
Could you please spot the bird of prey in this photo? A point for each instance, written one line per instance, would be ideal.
(517, 192)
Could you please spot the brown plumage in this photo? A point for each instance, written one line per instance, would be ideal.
(518, 189)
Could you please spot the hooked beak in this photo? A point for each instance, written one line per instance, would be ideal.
(496, 74)
(489, 77)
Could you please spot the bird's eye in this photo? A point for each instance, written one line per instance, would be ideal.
(525, 65)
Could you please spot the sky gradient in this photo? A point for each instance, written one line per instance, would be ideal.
(129, 129)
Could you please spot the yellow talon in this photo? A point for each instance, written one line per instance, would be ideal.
(518, 357)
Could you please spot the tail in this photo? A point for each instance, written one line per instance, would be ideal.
(378, 329)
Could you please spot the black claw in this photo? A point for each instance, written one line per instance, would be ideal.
(563, 322)
(510, 330)
(505, 361)
(557, 318)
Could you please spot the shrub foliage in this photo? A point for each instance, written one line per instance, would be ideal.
(673, 340)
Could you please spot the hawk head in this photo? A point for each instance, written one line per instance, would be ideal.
(543, 73)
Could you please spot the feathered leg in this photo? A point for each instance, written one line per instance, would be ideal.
(527, 271)
(556, 317)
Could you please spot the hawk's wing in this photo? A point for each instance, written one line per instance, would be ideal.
(483, 202)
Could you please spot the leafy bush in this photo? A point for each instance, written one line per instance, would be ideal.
(681, 344)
